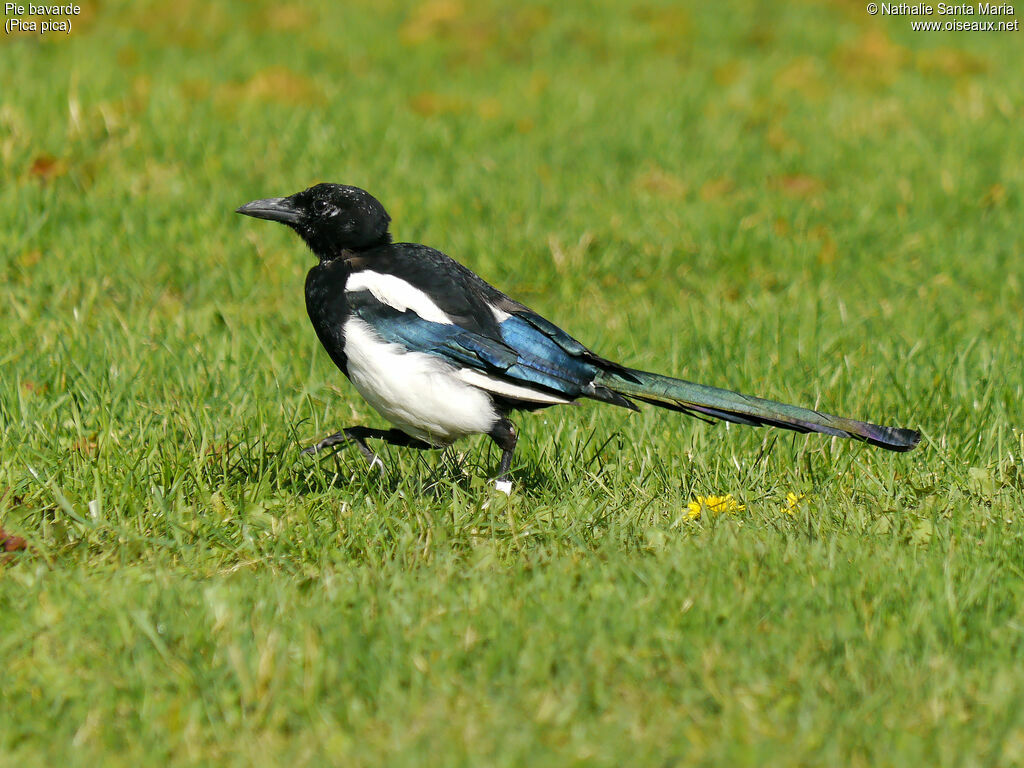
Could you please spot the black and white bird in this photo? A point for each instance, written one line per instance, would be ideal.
(441, 354)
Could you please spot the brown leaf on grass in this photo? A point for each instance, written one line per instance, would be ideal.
(798, 185)
(872, 58)
(803, 75)
(669, 26)
(950, 62)
(525, 125)
(47, 167)
(30, 258)
(715, 189)
(657, 181)
(274, 84)
(194, 89)
(187, 23)
(430, 19)
(216, 450)
(127, 57)
(779, 140)
(472, 31)
(828, 251)
(86, 446)
(729, 72)
(994, 196)
(429, 104)
(10, 543)
(288, 17)
(489, 109)
(29, 387)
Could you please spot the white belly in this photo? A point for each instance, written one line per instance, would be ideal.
(418, 393)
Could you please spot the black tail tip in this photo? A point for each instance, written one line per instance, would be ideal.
(894, 438)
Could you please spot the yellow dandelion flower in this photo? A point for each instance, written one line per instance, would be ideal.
(792, 503)
(713, 505)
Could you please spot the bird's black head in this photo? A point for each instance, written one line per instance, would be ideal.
(331, 218)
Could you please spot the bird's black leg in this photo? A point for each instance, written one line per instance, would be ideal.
(505, 435)
(359, 435)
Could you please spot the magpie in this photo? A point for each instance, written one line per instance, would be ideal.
(442, 354)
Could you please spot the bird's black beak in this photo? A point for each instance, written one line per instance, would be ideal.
(280, 209)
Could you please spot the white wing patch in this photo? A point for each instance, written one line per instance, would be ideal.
(398, 294)
(499, 387)
(499, 314)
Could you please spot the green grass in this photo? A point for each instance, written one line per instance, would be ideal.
(794, 200)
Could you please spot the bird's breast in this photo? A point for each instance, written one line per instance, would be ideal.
(328, 308)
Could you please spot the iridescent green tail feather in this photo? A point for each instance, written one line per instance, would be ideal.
(712, 402)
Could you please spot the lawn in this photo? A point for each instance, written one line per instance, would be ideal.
(795, 200)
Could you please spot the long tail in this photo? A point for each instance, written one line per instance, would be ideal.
(699, 400)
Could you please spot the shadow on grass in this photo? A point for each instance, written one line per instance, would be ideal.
(430, 474)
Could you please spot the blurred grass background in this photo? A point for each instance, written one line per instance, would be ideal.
(795, 200)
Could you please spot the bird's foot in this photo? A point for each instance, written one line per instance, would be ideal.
(350, 435)
(505, 435)
(503, 487)
(327, 442)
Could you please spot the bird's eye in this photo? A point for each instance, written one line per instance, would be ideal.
(321, 206)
